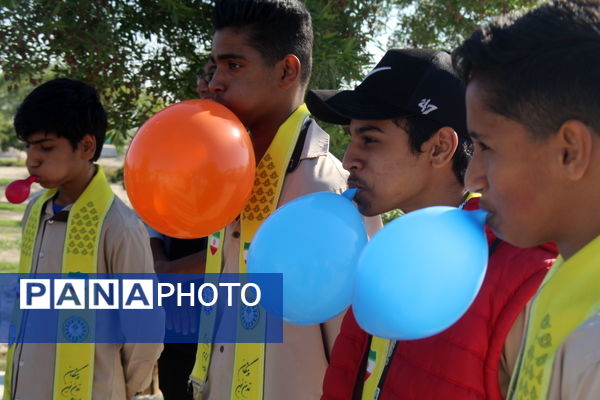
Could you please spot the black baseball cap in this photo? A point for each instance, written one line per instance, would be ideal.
(405, 83)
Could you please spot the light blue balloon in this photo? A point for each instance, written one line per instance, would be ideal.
(420, 273)
(315, 241)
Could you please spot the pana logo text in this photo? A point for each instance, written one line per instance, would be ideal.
(72, 294)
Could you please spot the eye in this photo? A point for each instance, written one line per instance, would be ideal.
(47, 148)
(482, 146)
(234, 65)
(368, 140)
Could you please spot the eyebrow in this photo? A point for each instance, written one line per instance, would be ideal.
(39, 141)
(476, 135)
(227, 56)
(366, 128)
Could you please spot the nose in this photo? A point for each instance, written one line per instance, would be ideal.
(475, 176)
(353, 159)
(33, 158)
(216, 83)
(201, 87)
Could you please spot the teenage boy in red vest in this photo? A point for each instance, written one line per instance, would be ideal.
(533, 106)
(409, 149)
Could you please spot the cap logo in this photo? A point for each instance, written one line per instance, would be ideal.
(375, 70)
(426, 108)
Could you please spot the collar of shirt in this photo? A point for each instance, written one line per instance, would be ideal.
(63, 215)
(316, 143)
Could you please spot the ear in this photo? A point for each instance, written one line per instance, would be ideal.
(442, 146)
(575, 141)
(87, 146)
(290, 68)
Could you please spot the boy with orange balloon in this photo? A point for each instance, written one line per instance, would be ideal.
(63, 125)
(262, 53)
(409, 149)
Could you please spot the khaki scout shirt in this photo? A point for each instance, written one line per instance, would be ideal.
(576, 370)
(295, 368)
(120, 370)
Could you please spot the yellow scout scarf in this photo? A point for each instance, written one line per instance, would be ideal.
(568, 296)
(74, 364)
(379, 354)
(248, 372)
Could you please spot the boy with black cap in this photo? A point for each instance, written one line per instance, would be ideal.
(409, 150)
(533, 107)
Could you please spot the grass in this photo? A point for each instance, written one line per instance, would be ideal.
(3, 361)
(8, 267)
(5, 223)
(12, 163)
(5, 181)
(13, 207)
(10, 244)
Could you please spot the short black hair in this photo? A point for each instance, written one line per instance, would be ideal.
(540, 68)
(65, 107)
(421, 129)
(275, 28)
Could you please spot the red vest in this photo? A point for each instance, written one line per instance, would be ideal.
(460, 363)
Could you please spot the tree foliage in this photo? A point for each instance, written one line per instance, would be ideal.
(145, 54)
(444, 24)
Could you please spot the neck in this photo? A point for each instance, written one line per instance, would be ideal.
(264, 130)
(446, 191)
(579, 234)
(69, 192)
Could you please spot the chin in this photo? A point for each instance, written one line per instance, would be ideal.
(517, 237)
(46, 185)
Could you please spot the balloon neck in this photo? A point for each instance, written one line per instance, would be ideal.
(350, 193)
(32, 179)
(478, 216)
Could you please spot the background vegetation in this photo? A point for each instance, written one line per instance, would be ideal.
(145, 54)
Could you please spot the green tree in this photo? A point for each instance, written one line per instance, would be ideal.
(143, 55)
(444, 24)
(9, 100)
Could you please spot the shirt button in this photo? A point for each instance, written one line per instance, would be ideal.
(21, 363)
(41, 254)
(51, 221)
(235, 234)
(221, 349)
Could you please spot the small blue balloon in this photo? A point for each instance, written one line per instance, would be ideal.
(420, 273)
(315, 242)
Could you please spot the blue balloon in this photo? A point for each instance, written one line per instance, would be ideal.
(420, 273)
(315, 241)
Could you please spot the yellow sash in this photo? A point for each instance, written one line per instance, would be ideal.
(74, 364)
(248, 372)
(569, 295)
(379, 353)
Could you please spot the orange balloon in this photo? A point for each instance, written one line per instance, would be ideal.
(190, 169)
